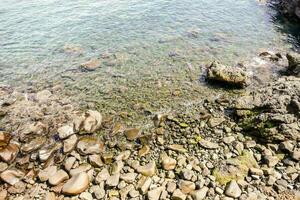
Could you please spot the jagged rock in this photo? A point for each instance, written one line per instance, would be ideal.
(168, 163)
(47, 152)
(91, 65)
(4, 139)
(294, 60)
(12, 176)
(81, 168)
(9, 152)
(65, 131)
(186, 186)
(90, 145)
(128, 177)
(208, 145)
(76, 185)
(233, 189)
(95, 160)
(58, 177)
(178, 195)
(132, 134)
(69, 162)
(200, 194)
(144, 151)
(92, 121)
(33, 145)
(144, 184)
(230, 75)
(113, 180)
(148, 169)
(46, 173)
(154, 194)
(102, 175)
(69, 143)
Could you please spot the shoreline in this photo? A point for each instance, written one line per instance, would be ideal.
(225, 147)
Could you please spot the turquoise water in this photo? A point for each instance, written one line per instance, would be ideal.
(33, 33)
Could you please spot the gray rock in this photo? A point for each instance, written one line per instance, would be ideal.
(233, 189)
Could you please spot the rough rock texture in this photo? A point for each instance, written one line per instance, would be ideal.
(290, 8)
(230, 75)
(294, 63)
(272, 112)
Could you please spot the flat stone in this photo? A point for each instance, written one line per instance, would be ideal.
(58, 177)
(144, 184)
(91, 65)
(148, 169)
(208, 145)
(107, 157)
(102, 175)
(177, 147)
(95, 161)
(69, 162)
(33, 145)
(132, 134)
(296, 154)
(154, 194)
(9, 153)
(271, 161)
(200, 194)
(92, 122)
(214, 122)
(4, 139)
(90, 145)
(50, 196)
(256, 171)
(144, 151)
(12, 176)
(17, 188)
(86, 196)
(76, 185)
(65, 131)
(128, 177)
(178, 195)
(81, 168)
(171, 186)
(186, 186)
(113, 180)
(69, 143)
(98, 191)
(233, 190)
(44, 154)
(228, 140)
(46, 173)
(168, 163)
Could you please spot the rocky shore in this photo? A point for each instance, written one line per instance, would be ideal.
(227, 148)
(289, 8)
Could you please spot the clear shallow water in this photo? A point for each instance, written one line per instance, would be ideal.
(33, 33)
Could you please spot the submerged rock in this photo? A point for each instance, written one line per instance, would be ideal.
(91, 65)
(230, 75)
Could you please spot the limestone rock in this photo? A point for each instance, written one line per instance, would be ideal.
(12, 176)
(168, 163)
(208, 145)
(77, 184)
(90, 145)
(9, 153)
(200, 194)
(132, 134)
(92, 122)
(230, 75)
(65, 131)
(91, 65)
(58, 177)
(148, 169)
(46, 173)
(154, 194)
(233, 190)
(69, 143)
(178, 195)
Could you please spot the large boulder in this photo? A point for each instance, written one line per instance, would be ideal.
(294, 64)
(233, 76)
(272, 113)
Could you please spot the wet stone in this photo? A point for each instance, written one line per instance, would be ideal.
(9, 153)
